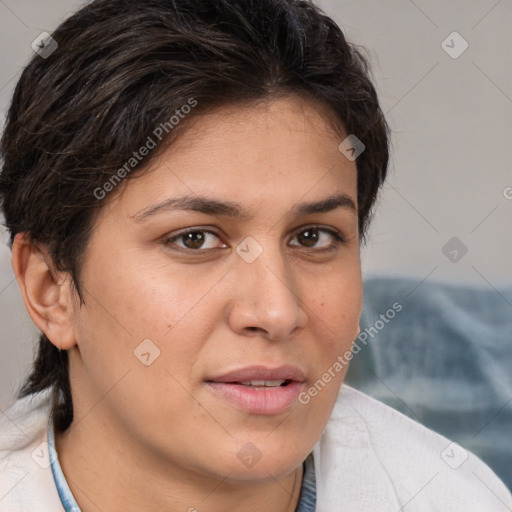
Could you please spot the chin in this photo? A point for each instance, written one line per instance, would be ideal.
(263, 461)
(262, 472)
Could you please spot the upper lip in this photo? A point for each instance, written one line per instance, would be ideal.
(248, 373)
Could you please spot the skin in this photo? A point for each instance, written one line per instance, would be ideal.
(155, 437)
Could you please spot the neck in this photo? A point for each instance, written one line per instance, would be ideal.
(103, 474)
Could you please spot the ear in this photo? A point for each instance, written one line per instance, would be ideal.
(46, 293)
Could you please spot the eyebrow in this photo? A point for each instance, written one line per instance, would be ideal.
(211, 206)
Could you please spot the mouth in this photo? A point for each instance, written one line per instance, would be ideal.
(258, 389)
(262, 384)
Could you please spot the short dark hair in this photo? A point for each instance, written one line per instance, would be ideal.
(123, 68)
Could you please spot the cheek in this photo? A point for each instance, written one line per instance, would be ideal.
(144, 319)
(335, 317)
(146, 300)
(336, 306)
(336, 309)
(176, 311)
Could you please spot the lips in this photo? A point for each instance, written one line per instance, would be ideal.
(261, 373)
(258, 389)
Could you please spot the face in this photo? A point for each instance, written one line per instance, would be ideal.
(219, 286)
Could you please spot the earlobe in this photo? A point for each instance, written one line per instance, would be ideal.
(45, 291)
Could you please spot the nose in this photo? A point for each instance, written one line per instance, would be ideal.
(265, 298)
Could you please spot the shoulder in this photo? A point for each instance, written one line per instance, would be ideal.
(371, 454)
(26, 480)
(23, 420)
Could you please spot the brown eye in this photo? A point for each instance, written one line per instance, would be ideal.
(318, 238)
(309, 237)
(195, 239)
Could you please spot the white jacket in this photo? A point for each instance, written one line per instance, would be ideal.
(370, 458)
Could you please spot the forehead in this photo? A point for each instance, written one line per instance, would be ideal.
(273, 151)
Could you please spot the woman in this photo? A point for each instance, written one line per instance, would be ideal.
(187, 185)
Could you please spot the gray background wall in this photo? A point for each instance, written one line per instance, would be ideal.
(450, 175)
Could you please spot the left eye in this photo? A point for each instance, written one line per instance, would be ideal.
(318, 238)
(311, 237)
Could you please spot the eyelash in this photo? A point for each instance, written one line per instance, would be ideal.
(339, 239)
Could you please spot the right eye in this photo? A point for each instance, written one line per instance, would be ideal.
(193, 239)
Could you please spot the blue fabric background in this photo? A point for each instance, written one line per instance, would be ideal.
(445, 360)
